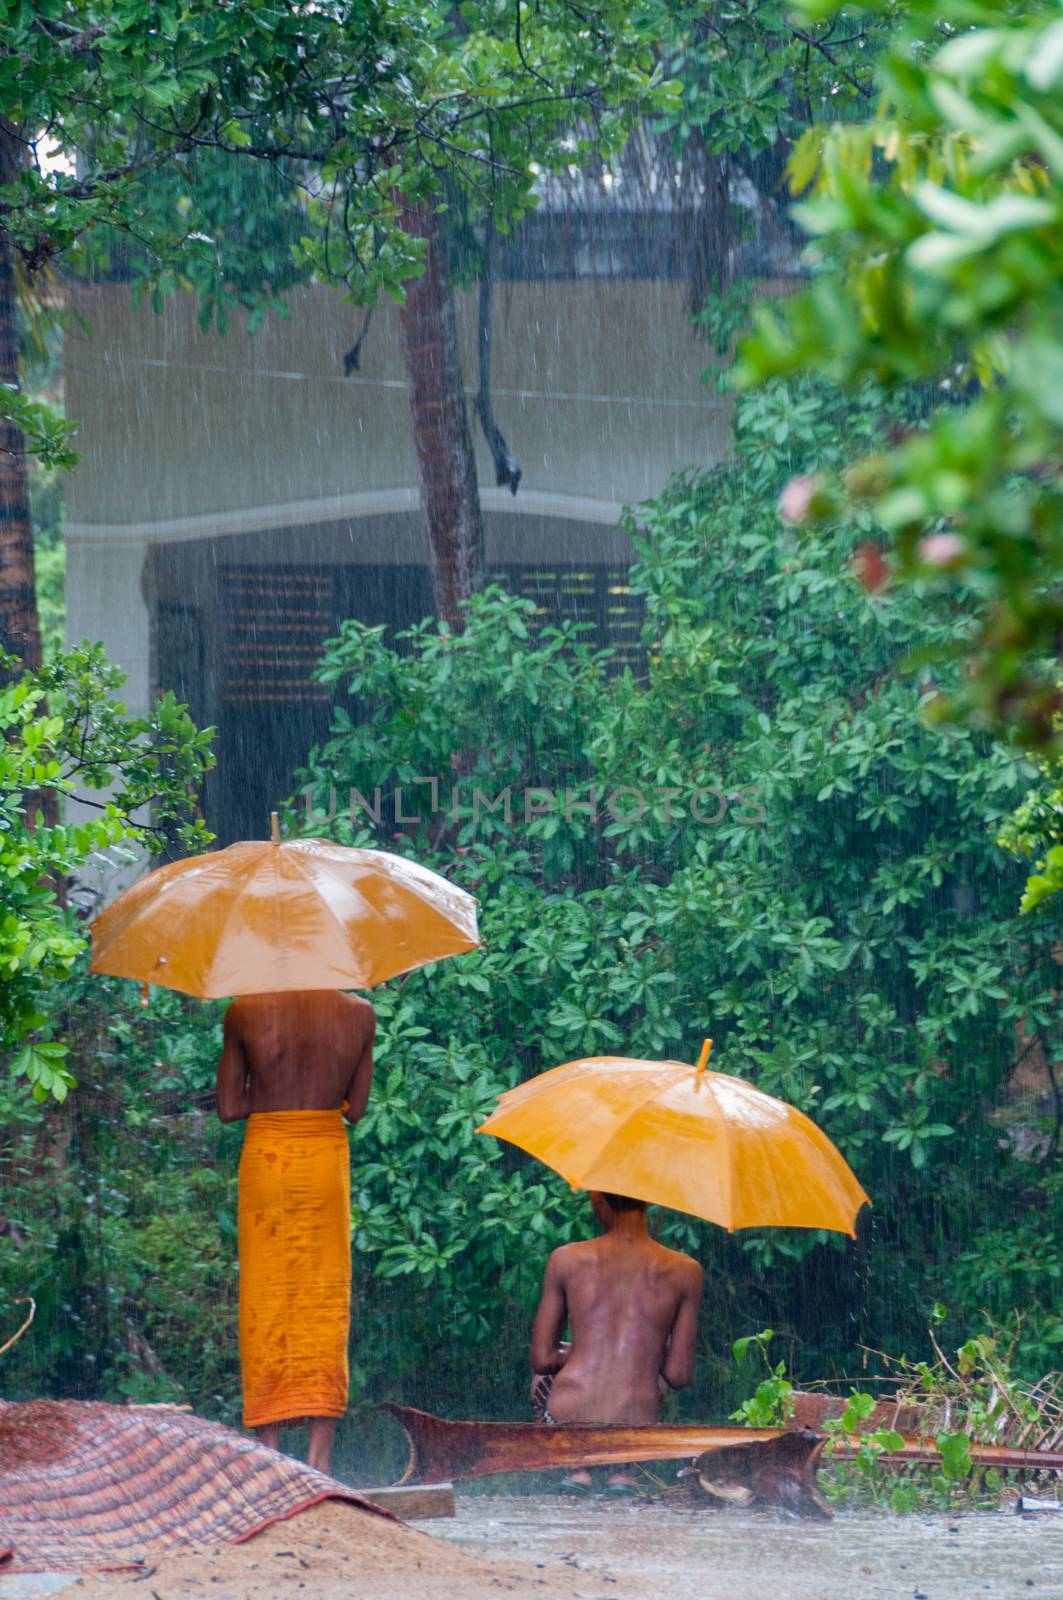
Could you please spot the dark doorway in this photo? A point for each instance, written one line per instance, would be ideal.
(270, 623)
(276, 621)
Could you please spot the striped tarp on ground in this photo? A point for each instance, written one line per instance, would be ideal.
(86, 1485)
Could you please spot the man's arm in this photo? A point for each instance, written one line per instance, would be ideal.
(678, 1368)
(361, 1079)
(546, 1354)
(233, 1088)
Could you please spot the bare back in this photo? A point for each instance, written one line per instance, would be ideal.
(632, 1309)
(304, 1051)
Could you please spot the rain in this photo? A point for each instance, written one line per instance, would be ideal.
(528, 546)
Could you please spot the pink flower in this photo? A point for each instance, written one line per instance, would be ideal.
(941, 549)
(796, 499)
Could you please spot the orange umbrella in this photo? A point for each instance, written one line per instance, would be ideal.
(263, 917)
(679, 1136)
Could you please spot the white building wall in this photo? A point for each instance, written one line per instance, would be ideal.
(105, 602)
(188, 436)
(597, 386)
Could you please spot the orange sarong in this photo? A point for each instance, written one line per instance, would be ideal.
(294, 1226)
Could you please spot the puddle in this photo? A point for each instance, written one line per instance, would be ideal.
(33, 1585)
(673, 1552)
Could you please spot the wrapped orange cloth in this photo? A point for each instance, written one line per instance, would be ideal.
(294, 1226)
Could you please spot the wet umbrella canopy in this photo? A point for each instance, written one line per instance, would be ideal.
(262, 918)
(679, 1136)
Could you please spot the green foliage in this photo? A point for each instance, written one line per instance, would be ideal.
(936, 260)
(854, 1472)
(771, 1403)
(974, 1398)
(42, 354)
(47, 434)
(977, 1398)
(844, 927)
(227, 149)
(120, 1206)
(845, 930)
(49, 556)
(1033, 832)
(754, 76)
(978, 1391)
(1007, 1267)
(227, 230)
(380, 97)
(65, 730)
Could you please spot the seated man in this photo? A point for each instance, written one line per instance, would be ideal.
(632, 1308)
(294, 1065)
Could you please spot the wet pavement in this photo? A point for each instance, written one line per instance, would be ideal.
(677, 1552)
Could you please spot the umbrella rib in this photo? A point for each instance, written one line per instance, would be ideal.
(279, 945)
(234, 908)
(182, 915)
(621, 1125)
(706, 1082)
(721, 1122)
(396, 878)
(323, 901)
(219, 942)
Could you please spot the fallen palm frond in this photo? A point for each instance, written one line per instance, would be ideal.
(441, 1450)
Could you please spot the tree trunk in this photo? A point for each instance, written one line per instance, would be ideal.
(449, 491)
(20, 631)
(712, 261)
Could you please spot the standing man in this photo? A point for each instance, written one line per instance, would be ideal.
(632, 1309)
(294, 1065)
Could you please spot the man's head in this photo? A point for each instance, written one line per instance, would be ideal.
(608, 1208)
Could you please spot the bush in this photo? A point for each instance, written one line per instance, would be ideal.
(845, 929)
(63, 731)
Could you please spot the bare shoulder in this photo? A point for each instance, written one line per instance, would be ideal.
(569, 1256)
(358, 1012)
(693, 1273)
(686, 1270)
(356, 1005)
(236, 1013)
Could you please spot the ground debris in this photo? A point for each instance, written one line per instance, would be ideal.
(392, 1559)
(1028, 1504)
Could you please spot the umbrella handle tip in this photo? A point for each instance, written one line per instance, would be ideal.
(703, 1059)
(274, 828)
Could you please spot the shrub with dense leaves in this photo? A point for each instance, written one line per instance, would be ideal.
(64, 730)
(840, 919)
(936, 254)
(846, 929)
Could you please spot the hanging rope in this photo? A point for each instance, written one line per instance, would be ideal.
(507, 469)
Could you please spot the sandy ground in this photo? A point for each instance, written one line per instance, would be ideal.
(330, 1551)
(594, 1549)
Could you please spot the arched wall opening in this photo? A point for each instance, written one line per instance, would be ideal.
(238, 623)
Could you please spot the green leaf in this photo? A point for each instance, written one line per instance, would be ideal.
(955, 1452)
(1006, 214)
(1043, 67)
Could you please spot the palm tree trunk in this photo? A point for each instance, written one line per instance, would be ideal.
(450, 493)
(20, 631)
